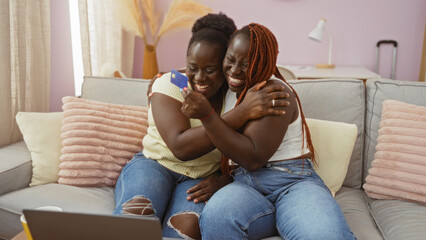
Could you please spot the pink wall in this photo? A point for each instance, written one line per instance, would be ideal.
(62, 73)
(355, 26)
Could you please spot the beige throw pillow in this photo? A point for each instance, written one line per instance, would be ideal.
(98, 140)
(333, 143)
(42, 133)
(398, 170)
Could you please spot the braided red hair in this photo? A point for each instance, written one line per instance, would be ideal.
(263, 52)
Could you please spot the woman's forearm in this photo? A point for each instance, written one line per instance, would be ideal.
(231, 143)
(195, 142)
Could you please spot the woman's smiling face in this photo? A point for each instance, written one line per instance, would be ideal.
(235, 62)
(204, 68)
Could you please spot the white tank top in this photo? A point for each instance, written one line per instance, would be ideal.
(291, 145)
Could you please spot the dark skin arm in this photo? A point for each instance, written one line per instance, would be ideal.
(258, 141)
(188, 143)
(257, 153)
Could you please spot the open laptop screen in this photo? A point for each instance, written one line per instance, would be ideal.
(50, 225)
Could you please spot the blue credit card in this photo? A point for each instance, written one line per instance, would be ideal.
(179, 79)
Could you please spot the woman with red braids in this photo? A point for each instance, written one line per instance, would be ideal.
(275, 186)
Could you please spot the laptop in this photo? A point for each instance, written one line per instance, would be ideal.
(51, 225)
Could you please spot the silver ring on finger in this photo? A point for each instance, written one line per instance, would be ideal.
(273, 102)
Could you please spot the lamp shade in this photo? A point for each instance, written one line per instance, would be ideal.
(316, 33)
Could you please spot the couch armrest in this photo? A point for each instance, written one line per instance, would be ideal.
(15, 167)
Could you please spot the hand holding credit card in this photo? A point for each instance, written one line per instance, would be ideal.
(179, 79)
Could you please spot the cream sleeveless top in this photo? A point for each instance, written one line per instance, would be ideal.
(155, 148)
(293, 144)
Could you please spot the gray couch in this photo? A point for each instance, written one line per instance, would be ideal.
(341, 100)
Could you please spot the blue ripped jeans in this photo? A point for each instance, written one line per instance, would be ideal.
(288, 197)
(165, 189)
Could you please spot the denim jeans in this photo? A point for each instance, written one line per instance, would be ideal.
(288, 197)
(164, 188)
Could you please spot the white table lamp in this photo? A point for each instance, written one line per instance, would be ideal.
(316, 35)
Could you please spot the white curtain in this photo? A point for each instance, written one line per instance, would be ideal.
(25, 62)
(106, 46)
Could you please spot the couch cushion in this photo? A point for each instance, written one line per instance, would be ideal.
(98, 140)
(382, 89)
(333, 143)
(15, 160)
(399, 219)
(399, 168)
(126, 91)
(354, 205)
(42, 133)
(69, 198)
(340, 100)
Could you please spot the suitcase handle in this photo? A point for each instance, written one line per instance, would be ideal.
(395, 43)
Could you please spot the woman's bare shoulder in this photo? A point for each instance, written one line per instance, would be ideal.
(275, 81)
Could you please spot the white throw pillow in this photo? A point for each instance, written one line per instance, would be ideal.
(42, 135)
(333, 143)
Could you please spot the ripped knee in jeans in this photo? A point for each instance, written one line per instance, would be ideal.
(138, 206)
(186, 225)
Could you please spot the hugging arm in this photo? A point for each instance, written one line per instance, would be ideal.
(188, 143)
(184, 142)
(257, 142)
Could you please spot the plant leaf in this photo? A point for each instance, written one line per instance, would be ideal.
(150, 14)
(181, 14)
(128, 13)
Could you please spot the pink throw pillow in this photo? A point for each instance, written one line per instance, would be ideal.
(399, 168)
(98, 139)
